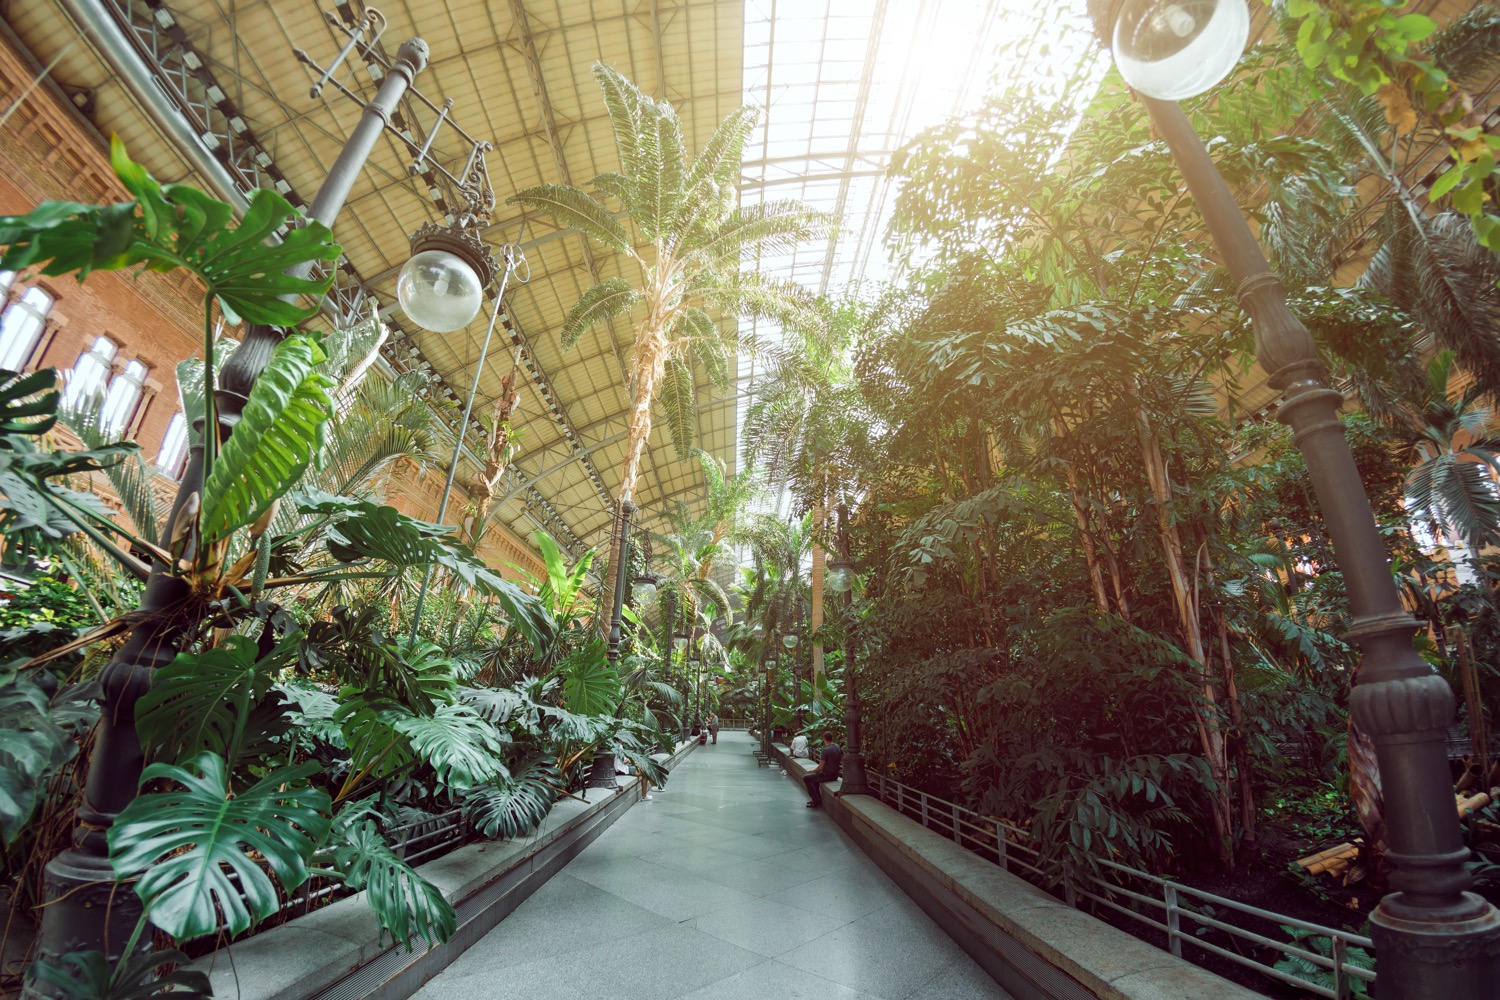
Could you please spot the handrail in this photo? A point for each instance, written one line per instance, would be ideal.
(1006, 844)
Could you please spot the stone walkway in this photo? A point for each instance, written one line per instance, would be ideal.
(722, 887)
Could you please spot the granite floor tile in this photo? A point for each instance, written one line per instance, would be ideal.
(722, 887)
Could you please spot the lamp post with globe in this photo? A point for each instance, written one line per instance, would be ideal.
(790, 641)
(1435, 940)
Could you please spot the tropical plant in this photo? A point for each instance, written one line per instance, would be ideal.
(688, 239)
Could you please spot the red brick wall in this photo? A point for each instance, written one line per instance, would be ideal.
(47, 153)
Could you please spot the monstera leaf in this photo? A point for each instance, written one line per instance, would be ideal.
(456, 743)
(203, 701)
(280, 432)
(32, 747)
(185, 843)
(515, 805)
(172, 226)
(405, 903)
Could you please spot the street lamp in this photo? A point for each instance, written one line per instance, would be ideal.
(1435, 939)
(789, 641)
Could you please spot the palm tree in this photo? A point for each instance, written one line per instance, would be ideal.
(807, 419)
(1453, 455)
(680, 225)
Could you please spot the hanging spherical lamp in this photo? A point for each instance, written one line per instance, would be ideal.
(441, 286)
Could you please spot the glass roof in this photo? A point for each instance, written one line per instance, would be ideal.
(844, 84)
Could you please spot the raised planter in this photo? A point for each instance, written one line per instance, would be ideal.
(1035, 946)
(339, 951)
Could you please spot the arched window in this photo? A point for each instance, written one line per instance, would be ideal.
(174, 446)
(122, 398)
(90, 374)
(21, 326)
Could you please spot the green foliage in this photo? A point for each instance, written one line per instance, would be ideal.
(456, 743)
(405, 903)
(86, 975)
(171, 226)
(280, 431)
(516, 804)
(32, 748)
(206, 702)
(185, 840)
(1309, 971)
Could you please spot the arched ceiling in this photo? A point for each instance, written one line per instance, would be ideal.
(844, 83)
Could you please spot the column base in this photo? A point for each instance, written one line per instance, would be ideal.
(1436, 959)
(87, 910)
(602, 772)
(856, 781)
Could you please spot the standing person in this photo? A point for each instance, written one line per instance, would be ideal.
(713, 725)
(827, 770)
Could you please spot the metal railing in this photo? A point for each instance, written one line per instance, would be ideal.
(1182, 914)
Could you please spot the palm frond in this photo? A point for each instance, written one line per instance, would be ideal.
(677, 395)
(573, 208)
(623, 100)
(598, 304)
(767, 228)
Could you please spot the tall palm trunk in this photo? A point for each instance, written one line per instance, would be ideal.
(649, 361)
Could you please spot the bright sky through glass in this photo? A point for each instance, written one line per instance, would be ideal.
(845, 83)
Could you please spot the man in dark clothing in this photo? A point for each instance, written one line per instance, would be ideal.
(827, 770)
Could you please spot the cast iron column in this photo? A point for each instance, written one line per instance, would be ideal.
(602, 770)
(86, 909)
(1435, 940)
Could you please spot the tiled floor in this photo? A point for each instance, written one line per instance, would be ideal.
(722, 887)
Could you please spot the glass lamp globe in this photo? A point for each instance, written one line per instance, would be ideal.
(439, 291)
(679, 643)
(840, 578)
(643, 592)
(789, 641)
(1175, 49)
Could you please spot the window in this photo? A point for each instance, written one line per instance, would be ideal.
(21, 326)
(174, 446)
(90, 374)
(122, 398)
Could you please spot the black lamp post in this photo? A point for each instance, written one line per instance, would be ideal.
(680, 644)
(1435, 939)
(840, 579)
(790, 641)
(768, 665)
(86, 909)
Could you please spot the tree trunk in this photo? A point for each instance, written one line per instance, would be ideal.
(1205, 709)
(649, 362)
(1086, 537)
(820, 514)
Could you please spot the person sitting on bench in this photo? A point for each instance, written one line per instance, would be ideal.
(827, 770)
